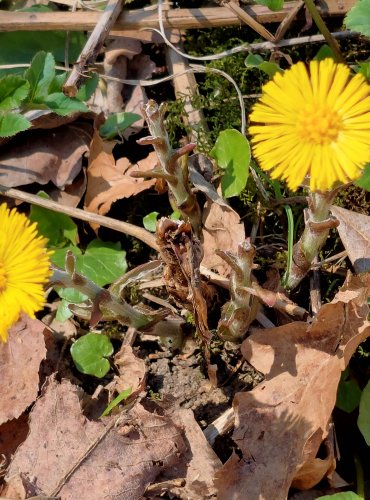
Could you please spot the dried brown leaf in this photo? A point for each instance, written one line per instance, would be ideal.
(44, 156)
(281, 424)
(69, 455)
(354, 231)
(108, 181)
(71, 195)
(20, 360)
(198, 464)
(131, 370)
(223, 231)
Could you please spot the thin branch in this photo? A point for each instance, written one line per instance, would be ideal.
(122, 227)
(92, 47)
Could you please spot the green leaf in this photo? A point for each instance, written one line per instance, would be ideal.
(349, 394)
(232, 153)
(364, 69)
(13, 90)
(88, 88)
(150, 221)
(324, 53)
(363, 420)
(58, 228)
(40, 75)
(58, 82)
(344, 495)
(12, 123)
(19, 47)
(272, 4)
(358, 18)
(176, 215)
(102, 262)
(256, 61)
(117, 123)
(89, 354)
(116, 401)
(63, 312)
(63, 105)
(364, 180)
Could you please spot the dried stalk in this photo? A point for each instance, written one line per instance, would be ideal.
(92, 48)
(173, 166)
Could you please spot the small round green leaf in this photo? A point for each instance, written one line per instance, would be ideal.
(150, 221)
(89, 354)
(358, 18)
(232, 153)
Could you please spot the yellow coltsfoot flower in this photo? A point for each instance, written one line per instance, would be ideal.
(24, 268)
(313, 122)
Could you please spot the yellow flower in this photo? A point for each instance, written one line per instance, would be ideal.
(313, 123)
(24, 268)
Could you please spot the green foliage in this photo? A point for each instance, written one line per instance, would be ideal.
(364, 69)
(89, 354)
(358, 18)
(363, 421)
(272, 4)
(40, 75)
(323, 53)
(117, 123)
(102, 262)
(232, 154)
(88, 88)
(150, 221)
(39, 88)
(19, 47)
(256, 61)
(12, 123)
(349, 393)
(344, 495)
(116, 401)
(364, 180)
(58, 228)
(13, 90)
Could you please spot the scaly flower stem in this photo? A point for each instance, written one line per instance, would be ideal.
(318, 225)
(242, 308)
(173, 165)
(103, 302)
(331, 41)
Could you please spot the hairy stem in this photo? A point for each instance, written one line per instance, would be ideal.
(318, 224)
(173, 165)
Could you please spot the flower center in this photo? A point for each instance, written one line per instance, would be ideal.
(319, 125)
(2, 277)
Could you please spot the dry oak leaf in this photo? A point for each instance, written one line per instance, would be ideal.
(72, 457)
(354, 231)
(44, 156)
(108, 181)
(197, 465)
(20, 359)
(222, 230)
(281, 424)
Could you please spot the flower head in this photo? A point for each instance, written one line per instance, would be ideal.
(24, 268)
(313, 123)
